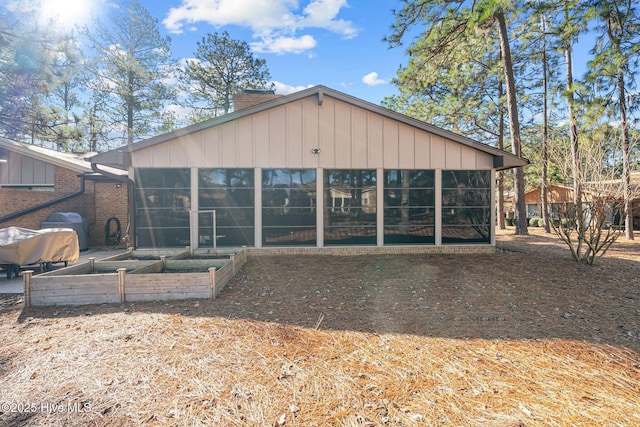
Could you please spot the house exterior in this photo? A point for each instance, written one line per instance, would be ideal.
(36, 181)
(317, 168)
(559, 195)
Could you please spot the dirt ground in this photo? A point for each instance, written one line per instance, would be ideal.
(522, 337)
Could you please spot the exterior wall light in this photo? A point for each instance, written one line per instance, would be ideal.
(315, 150)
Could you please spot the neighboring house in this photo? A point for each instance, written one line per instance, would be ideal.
(36, 181)
(316, 168)
(559, 195)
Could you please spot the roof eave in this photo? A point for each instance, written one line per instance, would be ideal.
(25, 150)
(112, 157)
(119, 158)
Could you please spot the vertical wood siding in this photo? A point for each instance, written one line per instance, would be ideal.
(349, 137)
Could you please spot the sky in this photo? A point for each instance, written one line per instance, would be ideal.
(335, 43)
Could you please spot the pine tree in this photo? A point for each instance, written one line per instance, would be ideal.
(221, 67)
(613, 73)
(450, 22)
(131, 65)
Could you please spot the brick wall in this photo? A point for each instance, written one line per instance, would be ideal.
(100, 201)
(110, 201)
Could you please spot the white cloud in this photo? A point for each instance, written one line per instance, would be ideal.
(322, 14)
(282, 45)
(284, 89)
(255, 14)
(372, 79)
(274, 22)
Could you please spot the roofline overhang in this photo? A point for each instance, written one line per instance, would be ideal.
(26, 150)
(121, 157)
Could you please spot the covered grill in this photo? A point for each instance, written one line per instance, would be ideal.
(71, 220)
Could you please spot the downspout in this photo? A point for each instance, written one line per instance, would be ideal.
(46, 204)
(131, 229)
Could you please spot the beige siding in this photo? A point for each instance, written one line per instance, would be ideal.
(284, 137)
(294, 134)
(423, 151)
(406, 147)
(245, 143)
(310, 132)
(390, 144)
(210, 144)
(438, 152)
(229, 145)
(375, 138)
(484, 161)
(453, 155)
(177, 153)
(468, 158)
(327, 133)
(359, 139)
(342, 136)
(277, 137)
(261, 140)
(26, 170)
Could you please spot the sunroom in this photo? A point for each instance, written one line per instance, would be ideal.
(317, 168)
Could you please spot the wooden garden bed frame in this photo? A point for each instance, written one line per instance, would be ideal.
(120, 279)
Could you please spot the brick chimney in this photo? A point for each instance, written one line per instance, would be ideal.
(250, 97)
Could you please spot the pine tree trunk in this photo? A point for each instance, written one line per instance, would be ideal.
(626, 154)
(514, 125)
(545, 131)
(573, 134)
(501, 222)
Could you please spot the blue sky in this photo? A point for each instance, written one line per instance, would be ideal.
(336, 43)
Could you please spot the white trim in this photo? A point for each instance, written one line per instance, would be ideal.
(438, 207)
(380, 207)
(319, 207)
(493, 204)
(194, 220)
(257, 209)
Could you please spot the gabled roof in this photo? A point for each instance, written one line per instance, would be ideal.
(119, 157)
(73, 161)
(76, 162)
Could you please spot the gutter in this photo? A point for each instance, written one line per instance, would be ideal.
(130, 199)
(47, 203)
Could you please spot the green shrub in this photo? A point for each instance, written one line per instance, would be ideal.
(541, 222)
(533, 222)
(508, 222)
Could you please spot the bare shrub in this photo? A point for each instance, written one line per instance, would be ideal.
(594, 220)
(587, 230)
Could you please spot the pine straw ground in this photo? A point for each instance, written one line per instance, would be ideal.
(522, 337)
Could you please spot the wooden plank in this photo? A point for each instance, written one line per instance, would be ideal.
(68, 282)
(75, 290)
(195, 264)
(178, 280)
(168, 297)
(155, 267)
(223, 276)
(104, 288)
(76, 300)
(130, 265)
(157, 253)
(84, 268)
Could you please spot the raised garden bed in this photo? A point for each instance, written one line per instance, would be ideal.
(135, 276)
